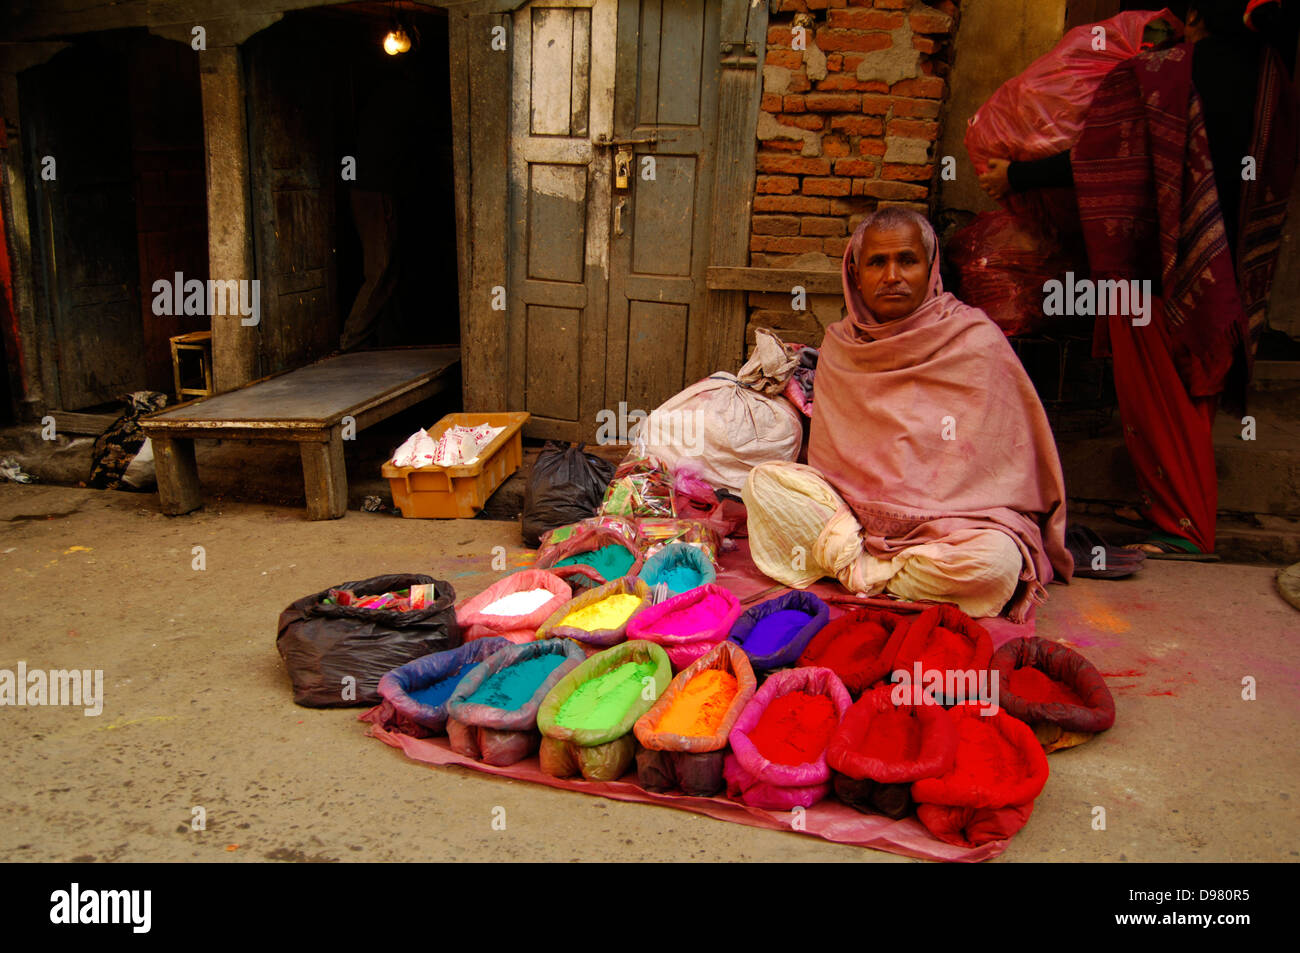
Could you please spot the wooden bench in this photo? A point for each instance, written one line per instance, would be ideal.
(311, 406)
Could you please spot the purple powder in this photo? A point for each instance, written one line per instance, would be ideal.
(774, 631)
(436, 694)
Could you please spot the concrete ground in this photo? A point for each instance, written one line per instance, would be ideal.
(198, 711)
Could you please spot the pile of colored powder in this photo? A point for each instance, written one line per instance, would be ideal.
(855, 646)
(610, 561)
(985, 758)
(774, 631)
(602, 701)
(520, 603)
(893, 736)
(609, 613)
(1038, 687)
(947, 651)
(795, 728)
(701, 705)
(680, 578)
(437, 693)
(515, 685)
(693, 616)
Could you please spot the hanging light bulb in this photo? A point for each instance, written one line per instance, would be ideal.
(396, 41)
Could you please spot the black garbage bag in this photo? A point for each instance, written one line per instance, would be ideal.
(322, 645)
(566, 485)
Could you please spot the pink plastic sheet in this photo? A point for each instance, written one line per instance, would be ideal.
(829, 820)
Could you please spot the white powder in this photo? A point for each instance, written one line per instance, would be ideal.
(520, 603)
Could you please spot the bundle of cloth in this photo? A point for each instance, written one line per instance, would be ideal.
(932, 472)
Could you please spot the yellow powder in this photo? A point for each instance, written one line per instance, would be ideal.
(609, 613)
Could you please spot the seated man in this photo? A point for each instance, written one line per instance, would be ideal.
(933, 473)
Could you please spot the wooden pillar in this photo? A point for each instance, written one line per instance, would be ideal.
(743, 31)
(230, 240)
(325, 476)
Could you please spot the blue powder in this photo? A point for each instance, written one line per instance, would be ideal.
(680, 578)
(436, 695)
(774, 632)
(513, 686)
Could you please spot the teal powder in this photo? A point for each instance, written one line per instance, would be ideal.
(513, 686)
(610, 561)
(680, 578)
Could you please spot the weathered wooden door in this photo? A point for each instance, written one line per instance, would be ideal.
(606, 297)
(75, 110)
(668, 66)
(293, 172)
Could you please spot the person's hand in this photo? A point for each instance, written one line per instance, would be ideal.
(995, 181)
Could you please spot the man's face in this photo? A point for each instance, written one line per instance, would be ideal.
(893, 273)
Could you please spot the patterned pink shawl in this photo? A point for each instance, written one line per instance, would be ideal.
(887, 394)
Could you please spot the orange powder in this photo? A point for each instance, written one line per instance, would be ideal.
(700, 707)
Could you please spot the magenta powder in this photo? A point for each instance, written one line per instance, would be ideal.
(701, 615)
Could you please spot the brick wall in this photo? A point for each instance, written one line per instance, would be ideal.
(846, 124)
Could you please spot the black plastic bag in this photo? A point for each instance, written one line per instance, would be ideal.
(566, 485)
(322, 645)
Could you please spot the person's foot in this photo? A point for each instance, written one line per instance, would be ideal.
(1168, 546)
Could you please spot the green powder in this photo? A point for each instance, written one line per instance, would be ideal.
(603, 701)
(610, 561)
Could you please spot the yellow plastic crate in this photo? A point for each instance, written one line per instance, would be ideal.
(459, 492)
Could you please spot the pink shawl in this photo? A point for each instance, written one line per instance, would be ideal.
(886, 394)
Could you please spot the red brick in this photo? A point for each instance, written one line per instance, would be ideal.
(924, 44)
(914, 128)
(831, 39)
(790, 244)
(789, 6)
(776, 224)
(871, 146)
(927, 87)
(792, 165)
(776, 184)
(859, 125)
(945, 6)
(771, 103)
(814, 225)
(785, 145)
(918, 108)
(827, 186)
(835, 246)
(910, 173)
(864, 168)
(842, 81)
(849, 206)
(794, 104)
(791, 203)
(834, 62)
(930, 21)
(893, 4)
(889, 190)
(877, 105)
(799, 83)
(801, 122)
(834, 102)
(790, 59)
(865, 20)
(834, 146)
(778, 36)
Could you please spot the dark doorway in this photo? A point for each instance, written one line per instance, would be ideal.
(113, 137)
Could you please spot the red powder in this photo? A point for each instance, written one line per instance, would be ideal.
(947, 651)
(1037, 687)
(985, 758)
(795, 728)
(857, 645)
(893, 736)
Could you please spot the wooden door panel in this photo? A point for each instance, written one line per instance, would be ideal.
(563, 73)
(661, 241)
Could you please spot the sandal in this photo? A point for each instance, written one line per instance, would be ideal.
(1174, 547)
(1083, 543)
(1136, 520)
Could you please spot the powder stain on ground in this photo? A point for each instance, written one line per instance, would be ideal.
(774, 631)
(610, 561)
(609, 613)
(513, 686)
(701, 705)
(795, 728)
(603, 701)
